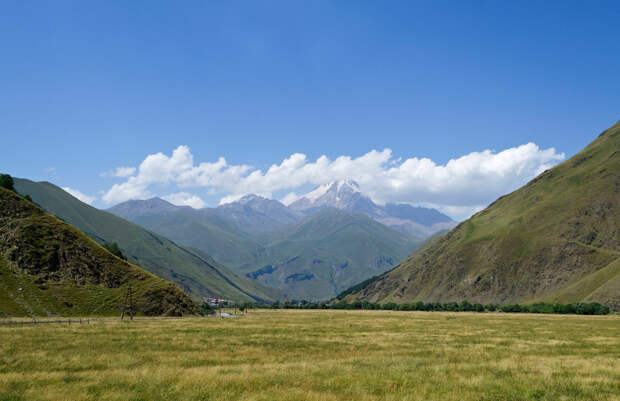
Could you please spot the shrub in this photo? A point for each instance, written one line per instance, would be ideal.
(465, 306)
(6, 181)
(390, 306)
(114, 250)
(205, 309)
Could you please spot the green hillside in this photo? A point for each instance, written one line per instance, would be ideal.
(327, 253)
(48, 267)
(207, 232)
(194, 274)
(555, 239)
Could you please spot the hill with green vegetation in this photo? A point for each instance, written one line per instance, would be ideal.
(313, 257)
(48, 267)
(556, 239)
(196, 274)
(204, 230)
(327, 253)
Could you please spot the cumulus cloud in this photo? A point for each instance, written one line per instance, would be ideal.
(120, 172)
(80, 195)
(466, 182)
(185, 199)
(231, 198)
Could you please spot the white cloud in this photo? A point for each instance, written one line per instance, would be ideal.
(81, 196)
(231, 198)
(290, 198)
(466, 182)
(119, 172)
(185, 199)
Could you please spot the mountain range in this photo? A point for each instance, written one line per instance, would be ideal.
(328, 240)
(193, 271)
(557, 239)
(49, 268)
(554, 240)
(417, 222)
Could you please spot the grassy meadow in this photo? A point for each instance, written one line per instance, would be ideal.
(317, 355)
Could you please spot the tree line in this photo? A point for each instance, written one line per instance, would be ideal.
(579, 308)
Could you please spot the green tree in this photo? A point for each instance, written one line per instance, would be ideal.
(6, 181)
(114, 250)
(205, 309)
(465, 306)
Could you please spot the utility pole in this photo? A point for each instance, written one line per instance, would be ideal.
(128, 304)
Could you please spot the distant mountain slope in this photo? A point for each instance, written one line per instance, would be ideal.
(201, 229)
(255, 214)
(328, 252)
(48, 267)
(133, 209)
(418, 222)
(197, 276)
(261, 239)
(556, 238)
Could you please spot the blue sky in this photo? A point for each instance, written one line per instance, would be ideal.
(86, 87)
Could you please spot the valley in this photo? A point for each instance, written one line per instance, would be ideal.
(317, 355)
(310, 200)
(320, 245)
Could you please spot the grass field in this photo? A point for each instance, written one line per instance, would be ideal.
(317, 355)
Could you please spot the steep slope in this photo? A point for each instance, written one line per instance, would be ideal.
(555, 239)
(204, 230)
(328, 252)
(417, 222)
(48, 267)
(156, 254)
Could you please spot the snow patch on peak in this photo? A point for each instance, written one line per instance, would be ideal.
(249, 197)
(318, 192)
(332, 186)
(349, 184)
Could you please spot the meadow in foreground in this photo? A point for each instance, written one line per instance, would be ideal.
(317, 355)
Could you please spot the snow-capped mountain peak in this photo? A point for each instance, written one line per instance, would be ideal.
(349, 185)
(337, 194)
(346, 195)
(334, 187)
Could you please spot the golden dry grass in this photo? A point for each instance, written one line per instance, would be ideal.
(317, 355)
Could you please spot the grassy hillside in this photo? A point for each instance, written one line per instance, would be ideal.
(327, 253)
(48, 267)
(555, 239)
(205, 231)
(154, 253)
